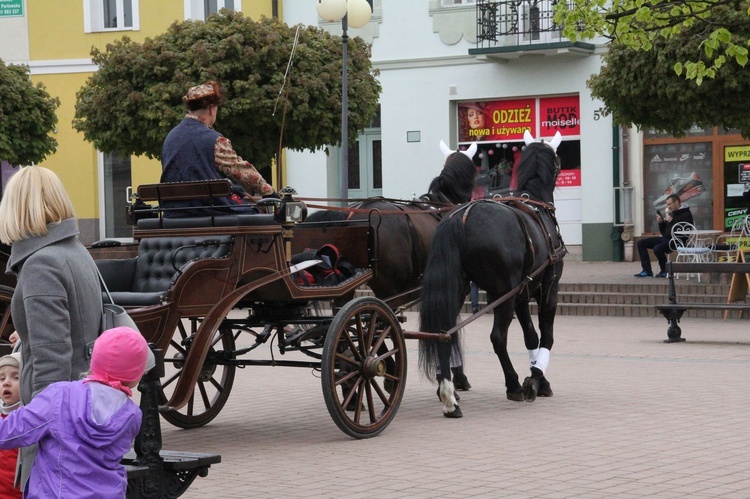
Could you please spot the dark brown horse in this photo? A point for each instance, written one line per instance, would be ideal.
(407, 227)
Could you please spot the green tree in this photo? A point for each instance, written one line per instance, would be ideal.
(642, 25)
(130, 104)
(641, 87)
(27, 116)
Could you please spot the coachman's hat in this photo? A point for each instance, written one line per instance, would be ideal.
(208, 89)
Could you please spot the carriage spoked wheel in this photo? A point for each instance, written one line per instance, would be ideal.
(364, 367)
(215, 379)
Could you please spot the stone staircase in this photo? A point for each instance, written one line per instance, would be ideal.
(628, 300)
(637, 300)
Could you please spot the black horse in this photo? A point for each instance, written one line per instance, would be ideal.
(510, 248)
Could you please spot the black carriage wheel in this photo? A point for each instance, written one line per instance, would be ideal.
(364, 367)
(214, 382)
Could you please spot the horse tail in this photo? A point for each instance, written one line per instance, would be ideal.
(443, 291)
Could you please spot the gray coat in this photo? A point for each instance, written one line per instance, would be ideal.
(56, 309)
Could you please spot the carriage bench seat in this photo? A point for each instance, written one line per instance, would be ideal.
(673, 310)
(145, 279)
(189, 191)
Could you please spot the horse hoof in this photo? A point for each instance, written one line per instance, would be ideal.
(544, 389)
(514, 396)
(462, 384)
(437, 392)
(456, 413)
(530, 389)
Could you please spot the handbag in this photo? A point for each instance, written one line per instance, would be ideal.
(113, 315)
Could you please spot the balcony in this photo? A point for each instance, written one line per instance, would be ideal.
(510, 29)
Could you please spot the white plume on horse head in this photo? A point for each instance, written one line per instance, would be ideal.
(447, 151)
(554, 143)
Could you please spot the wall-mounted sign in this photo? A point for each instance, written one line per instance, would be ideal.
(11, 8)
(496, 120)
(559, 114)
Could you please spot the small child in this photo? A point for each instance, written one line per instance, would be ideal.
(10, 365)
(84, 428)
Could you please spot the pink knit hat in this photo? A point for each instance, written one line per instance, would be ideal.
(120, 356)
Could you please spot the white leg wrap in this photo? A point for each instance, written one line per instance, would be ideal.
(447, 396)
(542, 360)
(532, 356)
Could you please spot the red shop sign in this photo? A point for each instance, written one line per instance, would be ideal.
(569, 178)
(559, 114)
(501, 120)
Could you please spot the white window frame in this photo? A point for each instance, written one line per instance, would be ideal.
(525, 24)
(194, 8)
(93, 16)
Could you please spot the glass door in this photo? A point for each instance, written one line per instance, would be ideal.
(113, 198)
(366, 166)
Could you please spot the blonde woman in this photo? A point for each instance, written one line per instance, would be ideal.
(56, 305)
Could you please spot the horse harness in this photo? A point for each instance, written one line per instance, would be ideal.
(544, 216)
(542, 213)
(423, 206)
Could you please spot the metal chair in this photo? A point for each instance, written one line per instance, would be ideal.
(728, 245)
(690, 247)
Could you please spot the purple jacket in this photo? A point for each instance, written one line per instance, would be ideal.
(76, 457)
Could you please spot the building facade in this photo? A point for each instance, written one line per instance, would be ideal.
(433, 72)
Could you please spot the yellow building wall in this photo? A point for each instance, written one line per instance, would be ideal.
(75, 161)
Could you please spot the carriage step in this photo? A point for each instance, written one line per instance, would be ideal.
(179, 470)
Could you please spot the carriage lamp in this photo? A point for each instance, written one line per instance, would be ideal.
(290, 211)
(287, 214)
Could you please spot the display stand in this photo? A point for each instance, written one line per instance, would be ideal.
(740, 283)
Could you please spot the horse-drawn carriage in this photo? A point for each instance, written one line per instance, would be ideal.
(210, 290)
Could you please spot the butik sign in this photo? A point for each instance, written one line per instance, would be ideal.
(559, 114)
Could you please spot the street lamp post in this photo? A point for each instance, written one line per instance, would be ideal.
(354, 13)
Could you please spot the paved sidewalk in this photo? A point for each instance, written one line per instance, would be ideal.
(631, 417)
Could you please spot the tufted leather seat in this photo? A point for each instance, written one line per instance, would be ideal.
(145, 280)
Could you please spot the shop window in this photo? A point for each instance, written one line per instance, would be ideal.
(201, 9)
(110, 15)
(682, 168)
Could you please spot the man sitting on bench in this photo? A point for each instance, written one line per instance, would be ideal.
(660, 244)
(193, 150)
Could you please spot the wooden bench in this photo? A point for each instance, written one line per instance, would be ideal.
(673, 310)
(153, 472)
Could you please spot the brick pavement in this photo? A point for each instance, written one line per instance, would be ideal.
(631, 417)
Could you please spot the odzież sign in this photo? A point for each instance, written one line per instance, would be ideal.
(11, 8)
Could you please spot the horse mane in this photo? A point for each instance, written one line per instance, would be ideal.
(537, 171)
(455, 183)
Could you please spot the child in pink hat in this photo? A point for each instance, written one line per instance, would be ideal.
(84, 428)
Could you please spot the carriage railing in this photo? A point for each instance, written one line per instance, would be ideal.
(516, 22)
